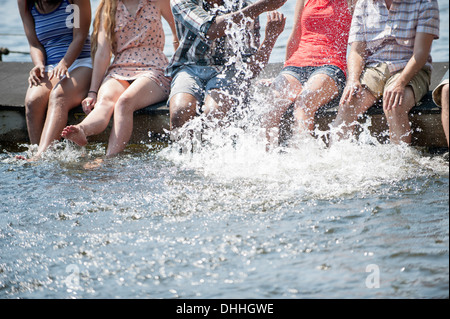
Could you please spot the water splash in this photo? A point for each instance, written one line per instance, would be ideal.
(308, 167)
(60, 152)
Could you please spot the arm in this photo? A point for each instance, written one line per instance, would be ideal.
(166, 12)
(394, 94)
(220, 24)
(37, 51)
(355, 64)
(426, 31)
(101, 63)
(275, 25)
(195, 18)
(294, 38)
(356, 59)
(79, 38)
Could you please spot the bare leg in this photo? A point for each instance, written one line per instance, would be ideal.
(97, 121)
(36, 102)
(75, 134)
(286, 89)
(183, 108)
(217, 105)
(94, 164)
(66, 95)
(142, 93)
(348, 113)
(318, 91)
(445, 106)
(398, 119)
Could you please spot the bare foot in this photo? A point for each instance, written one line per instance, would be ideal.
(75, 134)
(29, 160)
(94, 164)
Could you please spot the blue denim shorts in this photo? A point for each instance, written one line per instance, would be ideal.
(200, 80)
(303, 74)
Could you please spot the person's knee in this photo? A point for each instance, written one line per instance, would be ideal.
(178, 107)
(59, 98)
(401, 109)
(445, 91)
(311, 101)
(33, 105)
(399, 112)
(181, 110)
(58, 93)
(107, 100)
(124, 105)
(218, 103)
(36, 101)
(395, 114)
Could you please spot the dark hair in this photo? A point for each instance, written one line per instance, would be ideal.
(38, 3)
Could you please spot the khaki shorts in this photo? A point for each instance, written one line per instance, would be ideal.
(437, 93)
(378, 78)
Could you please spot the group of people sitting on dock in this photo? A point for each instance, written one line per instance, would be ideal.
(389, 61)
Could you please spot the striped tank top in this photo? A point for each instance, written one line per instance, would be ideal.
(54, 31)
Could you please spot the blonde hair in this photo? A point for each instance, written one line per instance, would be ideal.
(106, 13)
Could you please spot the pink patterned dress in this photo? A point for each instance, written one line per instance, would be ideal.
(139, 45)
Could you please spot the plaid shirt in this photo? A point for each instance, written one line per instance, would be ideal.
(390, 34)
(193, 18)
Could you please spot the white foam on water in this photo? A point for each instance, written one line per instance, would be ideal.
(307, 167)
(59, 152)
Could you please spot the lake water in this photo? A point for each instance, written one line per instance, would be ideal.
(230, 220)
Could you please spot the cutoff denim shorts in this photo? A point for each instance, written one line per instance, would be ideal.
(200, 80)
(303, 74)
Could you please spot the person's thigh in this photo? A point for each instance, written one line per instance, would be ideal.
(319, 90)
(334, 77)
(38, 94)
(141, 93)
(287, 87)
(218, 103)
(73, 89)
(110, 91)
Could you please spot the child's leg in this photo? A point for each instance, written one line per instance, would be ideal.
(66, 94)
(141, 93)
(97, 121)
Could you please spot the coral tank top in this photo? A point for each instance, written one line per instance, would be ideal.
(325, 27)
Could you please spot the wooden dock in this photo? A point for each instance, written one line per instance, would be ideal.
(154, 120)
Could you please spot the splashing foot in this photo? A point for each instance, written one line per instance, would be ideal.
(75, 134)
(29, 160)
(94, 164)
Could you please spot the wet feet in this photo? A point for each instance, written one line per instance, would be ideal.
(75, 134)
(29, 160)
(94, 164)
